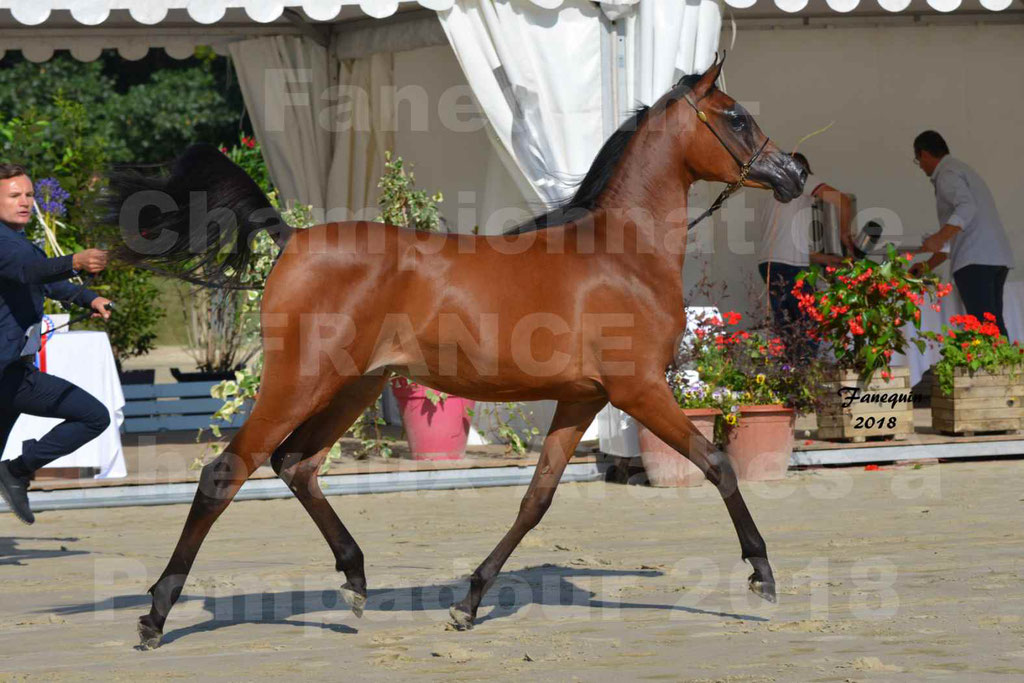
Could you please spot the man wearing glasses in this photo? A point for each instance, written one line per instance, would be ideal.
(980, 254)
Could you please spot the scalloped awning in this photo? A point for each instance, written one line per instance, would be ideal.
(149, 12)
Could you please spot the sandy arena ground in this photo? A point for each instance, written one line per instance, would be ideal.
(898, 574)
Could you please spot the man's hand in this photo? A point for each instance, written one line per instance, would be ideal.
(90, 261)
(933, 243)
(98, 305)
(847, 241)
(918, 269)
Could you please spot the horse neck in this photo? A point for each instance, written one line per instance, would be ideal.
(645, 200)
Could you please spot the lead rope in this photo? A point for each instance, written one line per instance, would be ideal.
(728, 191)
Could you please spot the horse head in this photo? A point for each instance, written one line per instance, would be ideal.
(724, 142)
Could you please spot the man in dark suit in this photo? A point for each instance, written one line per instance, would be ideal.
(26, 277)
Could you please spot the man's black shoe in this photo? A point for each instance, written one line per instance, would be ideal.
(14, 490)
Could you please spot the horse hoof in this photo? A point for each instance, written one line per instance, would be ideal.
(149, 635)
(461, 619)
(762, 581)
(355, 601)
(763, 589)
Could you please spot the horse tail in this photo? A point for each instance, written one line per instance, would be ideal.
(197, 224)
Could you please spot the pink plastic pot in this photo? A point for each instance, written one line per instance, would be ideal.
(435, 432)
(666, 467)
(760, 444)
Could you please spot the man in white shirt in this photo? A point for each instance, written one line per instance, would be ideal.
(980, 254)
(785, 243)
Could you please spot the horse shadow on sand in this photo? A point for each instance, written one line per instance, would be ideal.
(546, 585)
(11, 553)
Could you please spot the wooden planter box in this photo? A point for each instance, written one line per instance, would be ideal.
(982, 402)
(871, 413)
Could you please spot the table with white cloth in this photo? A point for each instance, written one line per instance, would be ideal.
(86, 360)
(932, 321)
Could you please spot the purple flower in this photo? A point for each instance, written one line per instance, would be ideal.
(50, 197)
(786, 368)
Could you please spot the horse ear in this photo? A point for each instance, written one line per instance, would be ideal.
(710, 77)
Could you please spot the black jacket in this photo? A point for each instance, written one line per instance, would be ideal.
(26, 277)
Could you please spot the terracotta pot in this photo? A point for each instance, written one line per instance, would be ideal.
(435, 432)
(664, 465)
(760, 444)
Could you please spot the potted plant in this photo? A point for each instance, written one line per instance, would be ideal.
(759, 441)
(859, 310)
(222, 326)
(509, 423)
(977, 385)
(765, 380)
(703, 405)
(436, 424)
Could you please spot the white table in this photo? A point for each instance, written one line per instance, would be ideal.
(932, 321)
(86, 360)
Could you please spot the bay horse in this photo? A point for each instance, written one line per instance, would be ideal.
(517, 317)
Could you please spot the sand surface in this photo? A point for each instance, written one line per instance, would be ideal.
(898, 574)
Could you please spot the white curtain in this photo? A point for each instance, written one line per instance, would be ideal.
(666, 40)
(361, 138)
(539, 74)
(536, 74)
(323, 123)
(282, 79)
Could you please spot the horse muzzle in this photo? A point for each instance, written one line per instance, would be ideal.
(780, 173)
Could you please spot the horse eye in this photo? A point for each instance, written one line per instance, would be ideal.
(737, 120)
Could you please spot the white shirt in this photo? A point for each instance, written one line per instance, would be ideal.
(963, 199)
(785, 229)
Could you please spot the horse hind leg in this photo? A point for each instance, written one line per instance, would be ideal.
(297, 462)
(219, 481)
(567, 428)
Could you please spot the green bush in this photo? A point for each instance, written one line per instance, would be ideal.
(144, 112)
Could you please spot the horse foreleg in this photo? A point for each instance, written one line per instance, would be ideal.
(298, 461)
(218, 483)
(656, 409)
(567, 427)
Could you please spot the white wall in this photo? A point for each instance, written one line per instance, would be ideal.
(882, 86)
(461, 164)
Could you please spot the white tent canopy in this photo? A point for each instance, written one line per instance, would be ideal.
(150, 12)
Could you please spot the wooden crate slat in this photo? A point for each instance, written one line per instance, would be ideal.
(839, 420)
(868, 409)
(966, 374)
(996, 391)
(980, 380)
(984, 402)
(978, 413)
(960, 426)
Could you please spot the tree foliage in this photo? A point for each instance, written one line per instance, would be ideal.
(144, 112)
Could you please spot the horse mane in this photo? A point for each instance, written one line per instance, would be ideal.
(600, 173)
